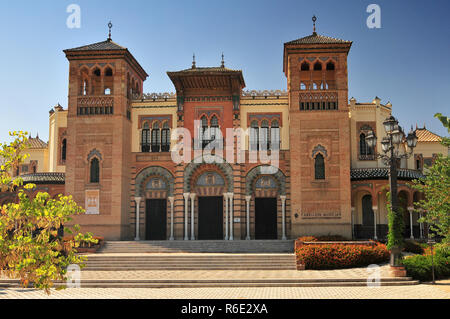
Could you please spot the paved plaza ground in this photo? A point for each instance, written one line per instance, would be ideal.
(423, 291)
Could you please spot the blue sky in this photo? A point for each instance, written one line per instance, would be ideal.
(405, 62)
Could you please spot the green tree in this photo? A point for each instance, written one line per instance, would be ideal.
(396, 225)
(436, 189)
(446, 122)
(30, 248)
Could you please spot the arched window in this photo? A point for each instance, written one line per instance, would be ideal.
(214, 128)
(318, 66)
(362, 144)
(96, 82)
(254, 135)
(85, 88)
(63, 150)
(305, 66)
(330, 66)
(156, 138)
(364, 149)
(108, 72)
(302, 86)
(204, 130)
(275, 135)
(145, 138)
(95, 171)
(319, 167)
(264, 135)
(165, 137)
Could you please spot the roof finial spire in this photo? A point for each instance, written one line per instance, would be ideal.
(193, 61)
(110, 25)
(223, 61)
(314, 19)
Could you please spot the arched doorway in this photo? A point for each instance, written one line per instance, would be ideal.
(154, 186)
(266, 209)
(368, 219)
(156, 209)
(210, 187)
(266, 186)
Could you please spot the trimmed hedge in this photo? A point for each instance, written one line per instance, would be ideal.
(336, 256)
(419, 267)
(323, 238)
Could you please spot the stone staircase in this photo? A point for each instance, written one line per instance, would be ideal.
(224, 283)
(255, 263)
(200, 246)
(194, 255)
(204, 261)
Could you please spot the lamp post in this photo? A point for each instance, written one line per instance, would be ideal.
(390, 146)
(431, 242)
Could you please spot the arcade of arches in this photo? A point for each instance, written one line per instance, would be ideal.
(211, 206)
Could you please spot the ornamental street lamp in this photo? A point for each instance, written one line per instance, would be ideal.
(391, 147)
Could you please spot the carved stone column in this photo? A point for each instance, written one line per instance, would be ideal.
(171, 200)
(411, 211)
(192, 216)
(138, 203)
(231, 216)
(283, 216)
(225, 196)
(353, 222)
(375, 210)
(421, 224)
(186, 215)
(247, 202)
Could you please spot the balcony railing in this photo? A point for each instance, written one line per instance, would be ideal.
(269, 146)
(154, 148)
(367, 157)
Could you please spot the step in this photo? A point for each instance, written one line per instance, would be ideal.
(254, 246)
(150, 283)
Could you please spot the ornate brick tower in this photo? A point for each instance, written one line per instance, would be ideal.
(103, 78)
(316, 71)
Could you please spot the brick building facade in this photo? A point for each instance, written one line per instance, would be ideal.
(298, 166)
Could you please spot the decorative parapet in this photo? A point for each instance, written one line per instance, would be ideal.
(255, 94)
(264, 94)
(155, 96)
(95, 101)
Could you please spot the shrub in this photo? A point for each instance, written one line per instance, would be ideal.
(335, 256)
(323, 238)
(411, 246)
(419, 267)
(85, 244)
(332, 238)
(307, 238)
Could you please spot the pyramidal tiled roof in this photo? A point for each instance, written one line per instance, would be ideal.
(424, 135)
(316, 38)
(36, 143)
(99, 46)
(210, 69)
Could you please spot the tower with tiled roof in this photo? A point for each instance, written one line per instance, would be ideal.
(316, 71)
(104, 77)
